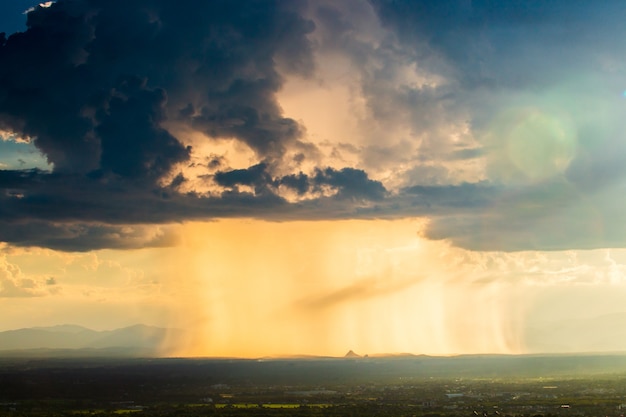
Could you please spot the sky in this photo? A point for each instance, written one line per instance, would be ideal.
(312, 177)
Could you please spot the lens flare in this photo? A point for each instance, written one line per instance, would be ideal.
(531, 143)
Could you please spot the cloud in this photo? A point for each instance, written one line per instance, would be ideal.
(79, 237)
(105, 107)
(551, 215)
(99, 102)
(75, 212)
(13, 283)
(352, 183)
(500, 123)
(254, 176)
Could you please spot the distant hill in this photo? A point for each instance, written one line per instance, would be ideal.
(65, 328)
(132, 340)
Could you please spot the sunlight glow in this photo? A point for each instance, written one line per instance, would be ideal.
(327, 287)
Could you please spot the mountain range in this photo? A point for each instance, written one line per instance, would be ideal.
(137, 340)
(605, 333)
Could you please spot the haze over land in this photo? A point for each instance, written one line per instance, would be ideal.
(310, 177)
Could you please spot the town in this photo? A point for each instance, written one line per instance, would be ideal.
(403, 386)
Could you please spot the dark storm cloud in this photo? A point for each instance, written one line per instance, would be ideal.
(349, 183)
(512, 44)
(37, 211)
(93, 81)
(102, 86)
(551, 215)
(299, 183)
(75, 212)
(464, 196)
(255, 175)
(79, 237)
(561, 58)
